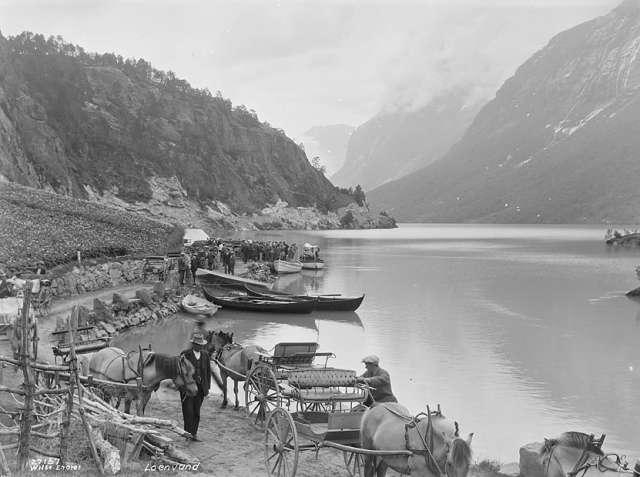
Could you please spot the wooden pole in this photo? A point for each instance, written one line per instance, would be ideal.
(73, 362)
(4, 466)
(25, 421)
(66, 419)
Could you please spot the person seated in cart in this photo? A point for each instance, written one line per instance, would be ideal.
(378, 379)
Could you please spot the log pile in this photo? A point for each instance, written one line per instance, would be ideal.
(45, 417)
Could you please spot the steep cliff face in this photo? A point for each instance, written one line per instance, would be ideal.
(96, 126)
(329, 144)
(559, 142)
(392, 145)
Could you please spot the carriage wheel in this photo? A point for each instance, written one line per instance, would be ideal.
(281, 444)
(316, 407)
(261, 394)
(354, 463)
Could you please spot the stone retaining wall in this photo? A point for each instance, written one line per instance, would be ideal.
(108, 319)
(96, 277)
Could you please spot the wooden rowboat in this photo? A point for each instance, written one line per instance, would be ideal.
(224, 279)
(320, 302)
(251, 303)
(283, 266)
(198, 306)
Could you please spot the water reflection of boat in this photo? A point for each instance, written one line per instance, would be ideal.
(171, 336)
(350, 317)
(254, 320)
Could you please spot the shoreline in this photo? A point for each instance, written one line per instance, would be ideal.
(231, 445)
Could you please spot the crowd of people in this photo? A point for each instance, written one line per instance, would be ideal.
(221, 254)
(41, 226)
(260, 251)
(213, 254)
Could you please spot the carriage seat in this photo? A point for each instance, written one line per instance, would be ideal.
(325, 385)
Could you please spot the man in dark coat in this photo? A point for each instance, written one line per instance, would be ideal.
(191, 404)
(195, 263)
(378, 379)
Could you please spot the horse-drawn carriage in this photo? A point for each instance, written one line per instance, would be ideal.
(306, 406)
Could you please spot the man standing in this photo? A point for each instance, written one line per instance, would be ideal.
(195, 263)
(182, 267)
(378, 379)
(191, 404)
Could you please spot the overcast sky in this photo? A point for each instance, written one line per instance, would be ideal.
(305, 63)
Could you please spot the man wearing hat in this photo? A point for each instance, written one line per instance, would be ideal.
(378, 379)
(191, 404)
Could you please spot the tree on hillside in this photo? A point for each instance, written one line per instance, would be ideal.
(358, 196)
(315, 163)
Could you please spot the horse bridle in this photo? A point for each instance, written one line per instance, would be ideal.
(583, 464)
(428, 456)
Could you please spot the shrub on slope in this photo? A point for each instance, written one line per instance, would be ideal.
(37, 225)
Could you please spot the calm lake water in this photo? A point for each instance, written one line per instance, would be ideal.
(519, 332)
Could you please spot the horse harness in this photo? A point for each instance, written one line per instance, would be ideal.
(426, 440)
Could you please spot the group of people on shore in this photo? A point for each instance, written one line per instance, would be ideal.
(210, 257)
(220, 254)
(259, 251)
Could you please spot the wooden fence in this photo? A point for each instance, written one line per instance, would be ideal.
(65, 391)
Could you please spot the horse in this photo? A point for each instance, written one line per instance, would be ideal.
(115, 365)
(438, 450)
(235, 360)
(579, 454)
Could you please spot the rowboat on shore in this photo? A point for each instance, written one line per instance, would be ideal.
(320, 302)
(250, 303)
(198, 306)
(284, 266)
(225, 279)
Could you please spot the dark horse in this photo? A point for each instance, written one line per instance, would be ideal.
(114, 365)
(235, 361)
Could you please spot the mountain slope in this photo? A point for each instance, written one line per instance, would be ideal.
(329, 144)
(392, 145)
(95, 126)
(559, 143)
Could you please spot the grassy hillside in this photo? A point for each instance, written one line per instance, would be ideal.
(37, 225)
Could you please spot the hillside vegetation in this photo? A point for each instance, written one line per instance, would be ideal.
(96, 125)
(37, 225)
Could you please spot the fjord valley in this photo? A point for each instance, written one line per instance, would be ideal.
(402, 140)
(557, 144)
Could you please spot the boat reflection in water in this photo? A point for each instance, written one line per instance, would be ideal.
(348, 317)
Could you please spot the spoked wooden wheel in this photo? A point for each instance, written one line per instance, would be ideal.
(315, 407)
(281, 444)
(354, 463)
(261, 394)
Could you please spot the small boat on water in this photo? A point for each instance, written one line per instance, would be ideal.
(312, 263)
(224, 279)
(284, 266)
(198, 306)
(310, 257)
(250, 303)
(320, 302)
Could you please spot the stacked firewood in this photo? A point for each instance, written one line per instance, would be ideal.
(119, 437)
